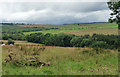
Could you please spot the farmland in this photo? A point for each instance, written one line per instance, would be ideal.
(81, 29)
(60, 38)
(17, 32)
(36, 58)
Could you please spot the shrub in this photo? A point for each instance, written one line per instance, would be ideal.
(75, 42)
(62, 40)
(86, 51)
(85, 42)
(10, 41)
(99, 44)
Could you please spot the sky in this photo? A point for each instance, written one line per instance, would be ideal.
(61, 12)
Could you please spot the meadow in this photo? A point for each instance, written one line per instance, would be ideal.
(27, 58)
(81, 29)
(62, 60)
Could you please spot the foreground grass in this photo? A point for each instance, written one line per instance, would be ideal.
(65, 61)
(0, 61)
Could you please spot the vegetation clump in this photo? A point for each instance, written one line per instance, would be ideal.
(23, 59)
(10, 41)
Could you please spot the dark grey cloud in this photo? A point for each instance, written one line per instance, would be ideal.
(61, 6)
(54, 12)
(81, 6)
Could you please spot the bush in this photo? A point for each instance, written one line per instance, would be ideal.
(62, 40)
(75, 42)
(10, 41)
(99, 44)
(85, 51)
(85, 42)
(89, 52)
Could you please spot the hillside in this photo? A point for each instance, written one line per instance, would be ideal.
(81, 29)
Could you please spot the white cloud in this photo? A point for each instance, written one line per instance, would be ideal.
(54, 12)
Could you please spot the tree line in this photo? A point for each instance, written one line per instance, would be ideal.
(69, 40)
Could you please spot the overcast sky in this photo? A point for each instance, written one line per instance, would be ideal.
(54, 12)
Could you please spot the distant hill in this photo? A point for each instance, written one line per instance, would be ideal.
(48, 24)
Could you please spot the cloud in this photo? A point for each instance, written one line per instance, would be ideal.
(54, 12)
(54, 0)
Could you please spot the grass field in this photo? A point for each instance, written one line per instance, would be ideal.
(63, 60)
(82, 29)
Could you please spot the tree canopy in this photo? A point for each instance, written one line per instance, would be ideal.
(115, 8)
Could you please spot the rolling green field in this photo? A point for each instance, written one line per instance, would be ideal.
(82, 29)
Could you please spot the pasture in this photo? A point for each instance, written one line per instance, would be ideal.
(81, 29)
(63, 60)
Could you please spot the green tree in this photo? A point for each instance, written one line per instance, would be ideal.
(99, 44)
(75, 42)
(115, 15)
(86, 42)
(49, 39)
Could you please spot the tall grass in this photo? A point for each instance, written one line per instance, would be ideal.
(63, 61)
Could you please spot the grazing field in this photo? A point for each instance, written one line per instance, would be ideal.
(81, 29)
(109, 31)
(62, 60)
